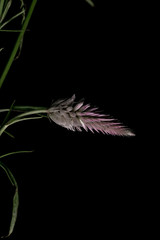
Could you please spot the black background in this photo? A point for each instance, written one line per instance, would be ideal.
(75, 184)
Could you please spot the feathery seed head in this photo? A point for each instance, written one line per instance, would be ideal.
(75, 115)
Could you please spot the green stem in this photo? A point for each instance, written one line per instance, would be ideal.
(22, 117)
(27, 114)
(17, 15)
(12, 153)
(90, 2)
(9, 30)
(22, 109)
(18, 42)
(4, 110)
(9, 174)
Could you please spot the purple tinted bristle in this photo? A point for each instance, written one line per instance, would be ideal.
(75, 116)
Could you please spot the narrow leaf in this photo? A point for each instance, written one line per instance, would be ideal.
(4, 110)
(18, 42)
(90, 3)
(15, 198)
(9, 134)
(14, 212)
(4, 9)
(15, 16)
(9, 174)
(1, 7)
(16, 195)
(7, 115)
(13, 153)
(28, 108)
(13, 121)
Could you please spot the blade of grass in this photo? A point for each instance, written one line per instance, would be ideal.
(10, 30)
(23, 8)
(34, 112)
(16, 195)
(13, 153)
(9, 134)
(4, 110)
(16, 121)
(23, 19)
(27, 108)
(15, 16)
(14, 212)
(4, 9)
(18, 42)
(15, 198)
(1, 7)
(90, 3)
(6, 118)
(7, 115)
(24, 109)
(9, 174)
(22, 117)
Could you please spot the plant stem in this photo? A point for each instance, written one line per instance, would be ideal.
(18, 42)
(22, 117)
(90, 2)
(17, 15)
(9, 30)
(12, 153)
(27, 114)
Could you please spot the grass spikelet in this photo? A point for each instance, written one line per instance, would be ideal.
(77, 116)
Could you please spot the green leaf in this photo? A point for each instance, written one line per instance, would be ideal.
(15, 16)
(9, 174)
(10, 31)
(14, 211)
(18, 43)
(4, 110)
(7, 115)
(9, 134)
(15, 198)
(16, 195)
(28, 108)
(4, 7)
(16, 121)
(23, 117)
(1, 7)
(13, 153)
(23, 108)
(90, 3)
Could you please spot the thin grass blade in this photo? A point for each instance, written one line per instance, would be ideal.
(28, 108)
(18, 42)
(3, 129)
(4, 10)
(13, 153)
(16, 195)
(4, 110)
(9, 134)
(1, 7)
(15, 198)
(22, 117)
(8, 114)
(90, 3)
(23, 19)
(12, 18)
